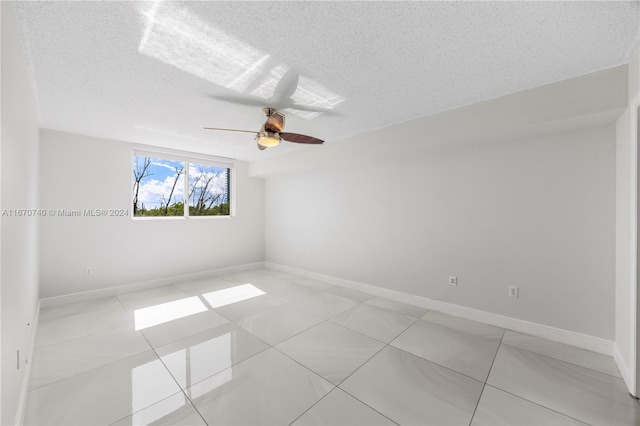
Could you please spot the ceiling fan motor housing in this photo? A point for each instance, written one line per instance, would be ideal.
(267, 139)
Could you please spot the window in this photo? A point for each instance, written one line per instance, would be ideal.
(170, 185)
(208, 190)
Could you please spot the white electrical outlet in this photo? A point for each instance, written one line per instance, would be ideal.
(453, 280)
(513, 291)
(88, 271)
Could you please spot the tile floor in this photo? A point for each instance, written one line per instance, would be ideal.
(267, 347)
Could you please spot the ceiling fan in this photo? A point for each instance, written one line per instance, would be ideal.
(271, 133)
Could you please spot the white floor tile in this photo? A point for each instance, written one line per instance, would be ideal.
(375, 322)
(198, 287)
(410, 390)
(330, 350)
(205, 354)
(237, 311)
(103, 395)
(267, 279)
(84, 319)
(151, 297)
(262, 270)
(339, 408)
(323, 304)
(71, 357)
(245, 277)
(399, 307)
(266, 389)
(461, 324)
(349, 293)
(584, 394)
(499, 408)
(462, 352)
(314, 284)
(578, 356)
(285, 291)
(285, 275)
(277, 324)
(175, 410)
(77, 308)
(171, 331)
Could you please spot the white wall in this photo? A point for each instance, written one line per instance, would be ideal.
(626, 316)
(19, 190)
(634, 73)
(536, 213)
(81, 172)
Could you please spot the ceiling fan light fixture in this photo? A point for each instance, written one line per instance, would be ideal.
(268, 139)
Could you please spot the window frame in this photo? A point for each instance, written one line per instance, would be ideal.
(186, 158)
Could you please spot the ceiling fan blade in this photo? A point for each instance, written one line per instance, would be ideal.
(298, 138)
(242, 100)
(274, 123)
(286, 87)
(230, 130)
(310, 108)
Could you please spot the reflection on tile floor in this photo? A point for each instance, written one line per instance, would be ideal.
(268, 347)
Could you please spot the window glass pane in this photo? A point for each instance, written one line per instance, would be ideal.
(158, 187)
(209, 190)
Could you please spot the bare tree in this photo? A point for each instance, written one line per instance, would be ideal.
(140, 172)
(203, 199)
(213, 200)
(193, 186)
(179, 172)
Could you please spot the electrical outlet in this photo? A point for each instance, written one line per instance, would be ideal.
(513, 291)
(453, 280)
(88, 271)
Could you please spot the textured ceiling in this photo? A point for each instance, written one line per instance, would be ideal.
(157, 72)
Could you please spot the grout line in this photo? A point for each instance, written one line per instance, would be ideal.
(194, 406)
(484, 384)
(144, 408)
(564, 360)
(433, 362)
(340, 389)
(538, 404)
(86, 335)
(386, 345)
(313, 405)
(81, 337)
(358, 332)
(90, 370)
(321, 377)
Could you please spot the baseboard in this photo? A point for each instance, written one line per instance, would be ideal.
(143, 285)
(627, 376)
(579, 340)
(24, 389)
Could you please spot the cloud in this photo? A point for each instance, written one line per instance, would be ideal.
(152, 191)
(167, 166)
(214, 178)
